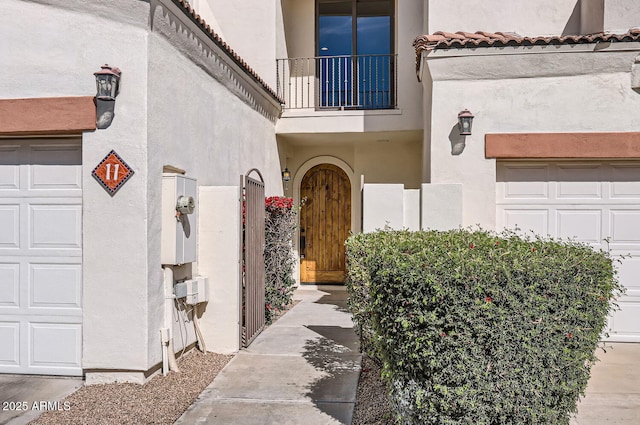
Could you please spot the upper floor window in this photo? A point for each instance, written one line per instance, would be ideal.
(354, 43)
(354, 27)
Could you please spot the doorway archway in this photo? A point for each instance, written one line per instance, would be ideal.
(325, 223)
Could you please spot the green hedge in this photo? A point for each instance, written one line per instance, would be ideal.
(474, 327)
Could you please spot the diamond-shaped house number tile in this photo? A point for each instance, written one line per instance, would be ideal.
(112, 172)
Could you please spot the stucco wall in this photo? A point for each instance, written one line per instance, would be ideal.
(299, 25)
(562, 103)
(196, 124)
(202, 118)
(543, 17)
(250, 28)
(390, 205)
(521, 16)
(381, 158)
(44, 61)
(620, 15)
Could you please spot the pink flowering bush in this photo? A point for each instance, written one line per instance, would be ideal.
(280, 225)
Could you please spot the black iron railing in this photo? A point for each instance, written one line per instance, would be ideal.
(338, 82)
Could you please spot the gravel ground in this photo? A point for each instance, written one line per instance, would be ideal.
(160, 401)
(372, 405)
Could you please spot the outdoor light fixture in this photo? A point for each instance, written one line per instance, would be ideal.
(286, 177)
(107, 81)
(108, 87)
(465, 119)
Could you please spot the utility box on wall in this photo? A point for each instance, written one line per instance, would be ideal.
(179, 220)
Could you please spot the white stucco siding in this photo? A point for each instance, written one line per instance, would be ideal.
(408, 24)
(299, 25)
(249, 27)
(43, 61)
(620, 15)
(581, 103)
(211, 133)
(522, 16)
(40, 60)
(196, 124)
(542, 17)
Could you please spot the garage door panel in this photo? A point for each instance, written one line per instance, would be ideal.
(579, 182)
(41, 256)
(52, 178)
(536, 220)
(9, 226)
(579, 190)
(55, 167)
(525, 182)
(583, 225)
(55, 345)
(9, 177)
(10, 347)
(590, 202)
(55, 286)
(9, 284)
(55, 226)
(9, 167)
(625, 226)
(624, 181)
(59, 155)
(629, 273)
(624, 323)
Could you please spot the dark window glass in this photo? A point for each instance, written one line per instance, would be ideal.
(355, 44)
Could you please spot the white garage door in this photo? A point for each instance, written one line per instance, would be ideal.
(40, 256)
(590, 201)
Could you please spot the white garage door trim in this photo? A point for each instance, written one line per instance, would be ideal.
(41, 256)
(589, 200)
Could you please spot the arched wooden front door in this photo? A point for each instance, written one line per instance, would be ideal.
(325, 222)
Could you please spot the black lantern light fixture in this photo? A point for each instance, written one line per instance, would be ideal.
(286, 177)
(108, 87)
(107, 82)
(465, 120)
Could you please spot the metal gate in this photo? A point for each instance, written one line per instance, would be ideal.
(252, 264)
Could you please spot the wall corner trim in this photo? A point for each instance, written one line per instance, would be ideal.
(47, 115)
(623, 145)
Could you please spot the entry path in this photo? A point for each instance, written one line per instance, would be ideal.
(303, 369)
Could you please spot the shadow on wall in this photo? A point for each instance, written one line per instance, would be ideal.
(573, 23)
(457, 141)
(587, 18)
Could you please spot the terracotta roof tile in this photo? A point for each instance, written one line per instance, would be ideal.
(190, 12)
(446, 40)
(451, 35)
(461, 40)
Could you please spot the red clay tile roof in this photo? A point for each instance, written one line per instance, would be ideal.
(460, 39)
(191, 13)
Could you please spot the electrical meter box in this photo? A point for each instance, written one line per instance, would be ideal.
(179, 219)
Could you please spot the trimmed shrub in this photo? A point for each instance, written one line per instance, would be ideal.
(280, 225)
(477, 327)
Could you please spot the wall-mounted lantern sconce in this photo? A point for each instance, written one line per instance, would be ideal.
(286, 177)
(465, 119)
(108, 87)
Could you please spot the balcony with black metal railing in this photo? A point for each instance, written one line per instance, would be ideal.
(357, 82)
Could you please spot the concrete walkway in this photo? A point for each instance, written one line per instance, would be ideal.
(613, 393)
(301, 370)
(30, 391)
